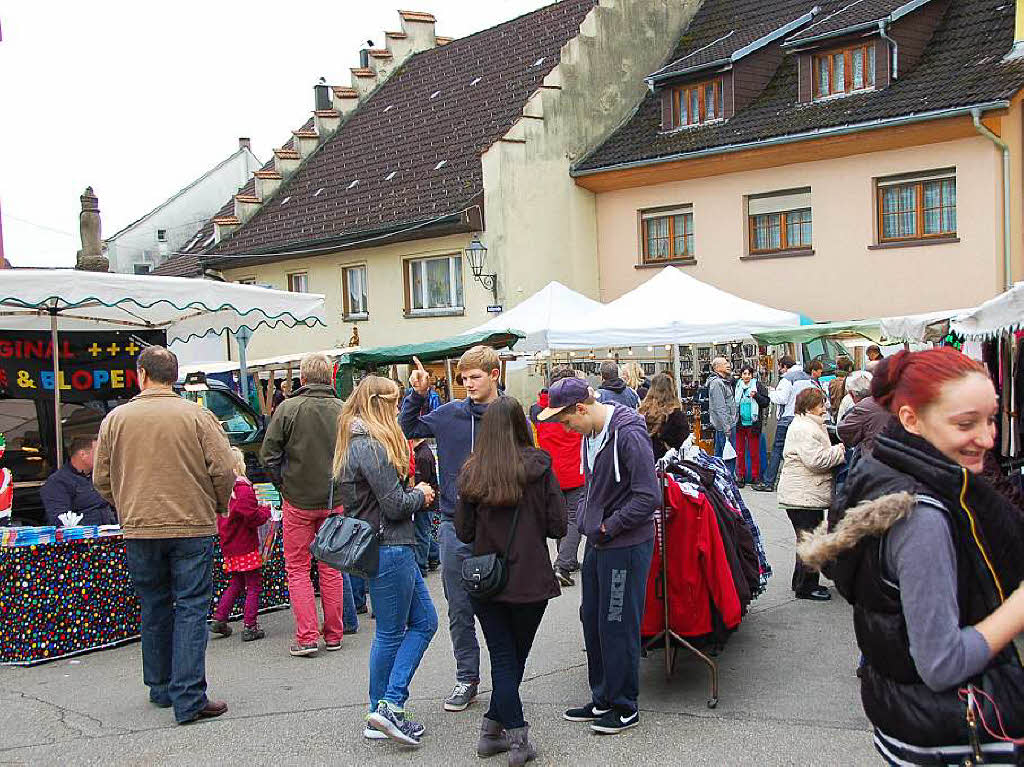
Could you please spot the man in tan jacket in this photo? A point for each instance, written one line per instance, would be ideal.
(167, 467)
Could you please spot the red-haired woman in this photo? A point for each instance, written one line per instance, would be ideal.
(931, 557)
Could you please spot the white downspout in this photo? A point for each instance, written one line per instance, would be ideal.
(976, 115)
(894, 47)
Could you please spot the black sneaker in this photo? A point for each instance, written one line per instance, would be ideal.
(221, 628)
(362, 610)
(253, 633)
(564, 579)
(821, 594)
(433, 564)
(615, 722)
(587, 713)
(392, 722)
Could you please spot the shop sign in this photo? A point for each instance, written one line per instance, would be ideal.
(93, 365)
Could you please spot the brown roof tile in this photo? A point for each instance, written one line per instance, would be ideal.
(963, 65)
(482, 82)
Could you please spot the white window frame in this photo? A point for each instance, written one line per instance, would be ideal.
(305, 282)
(246, 280)
(364, 311)
(458, 303)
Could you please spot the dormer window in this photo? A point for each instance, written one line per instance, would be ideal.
(847, 70)
(698, 103)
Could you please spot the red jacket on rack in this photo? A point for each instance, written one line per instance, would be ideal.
(698, 571)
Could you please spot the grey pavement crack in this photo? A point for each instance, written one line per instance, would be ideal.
(63, 713)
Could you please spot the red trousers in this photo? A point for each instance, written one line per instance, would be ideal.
(299, 529)
(748, 438)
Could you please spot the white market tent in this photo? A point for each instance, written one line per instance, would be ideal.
(1003, 313)
(58, 300)
(552, 306)
(670, 308)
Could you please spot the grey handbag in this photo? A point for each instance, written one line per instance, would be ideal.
(347, 544)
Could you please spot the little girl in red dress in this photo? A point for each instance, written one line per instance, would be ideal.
(240, 544)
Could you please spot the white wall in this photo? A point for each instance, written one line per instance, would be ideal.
(181, 216)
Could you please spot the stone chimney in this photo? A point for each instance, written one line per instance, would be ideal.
(244, 143)
(1018, 30)
(90, 257)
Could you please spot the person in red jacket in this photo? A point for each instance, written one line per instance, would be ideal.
(240, 545)
(564, 448)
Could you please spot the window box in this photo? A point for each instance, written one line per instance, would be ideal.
(779, 222)
(666, 236)
(354, 293)
(844, 71)
(433, 287)
(913, 208)
(298, 282)
(697, 103)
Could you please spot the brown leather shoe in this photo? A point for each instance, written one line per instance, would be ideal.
(213, 708)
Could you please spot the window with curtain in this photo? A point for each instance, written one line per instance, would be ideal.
(667, 235)
(916, 208)
(780, 221)
(434, 284)
(298, 282)
(354, 291)
(844, 71)
(698, 103)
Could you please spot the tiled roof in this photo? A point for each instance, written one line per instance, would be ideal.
(851, 14)
(739, 34)
(180, 266)
(962, 66)
(414, 145)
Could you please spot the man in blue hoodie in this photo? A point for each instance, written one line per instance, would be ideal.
(454, 425)
(617, 517)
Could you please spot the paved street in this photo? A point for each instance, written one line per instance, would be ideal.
(788, 696)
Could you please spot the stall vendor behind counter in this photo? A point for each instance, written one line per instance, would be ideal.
(69, 491)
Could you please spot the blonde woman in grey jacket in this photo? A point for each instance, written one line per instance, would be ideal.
(805, 486)
(372, 461)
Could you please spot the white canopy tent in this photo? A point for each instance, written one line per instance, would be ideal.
(670, 308)
(550, 307)
(1004, 312)
(64, 299)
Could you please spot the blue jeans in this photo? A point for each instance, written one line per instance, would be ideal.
(721, 438)
(427, 550)
(348, 606)
(777, 446)
(358, 591)
(406, 622)
(173, 578)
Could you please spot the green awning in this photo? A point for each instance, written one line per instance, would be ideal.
(430, 351)
(802, 334)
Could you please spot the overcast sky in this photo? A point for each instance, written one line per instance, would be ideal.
(138, 99)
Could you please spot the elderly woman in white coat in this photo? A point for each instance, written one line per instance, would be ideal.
(805, 485)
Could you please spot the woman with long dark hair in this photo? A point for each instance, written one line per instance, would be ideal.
(931, 557)
(666, 422)
(506, 474)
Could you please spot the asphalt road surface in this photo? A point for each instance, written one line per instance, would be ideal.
(788, 695)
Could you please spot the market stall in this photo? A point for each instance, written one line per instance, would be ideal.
(65, 591)
(438, 357)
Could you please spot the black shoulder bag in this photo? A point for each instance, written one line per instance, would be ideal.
(347, 544)
(486, 575)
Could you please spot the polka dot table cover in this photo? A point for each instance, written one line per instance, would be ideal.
(62, 599)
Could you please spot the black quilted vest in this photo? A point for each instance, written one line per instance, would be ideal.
(894, 697)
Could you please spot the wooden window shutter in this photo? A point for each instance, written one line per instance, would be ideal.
(666, 109)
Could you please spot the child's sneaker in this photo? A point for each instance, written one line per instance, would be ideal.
(392, 722)
(252, 633)
(220, 627)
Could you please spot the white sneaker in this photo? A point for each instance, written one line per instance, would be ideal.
(371, 734)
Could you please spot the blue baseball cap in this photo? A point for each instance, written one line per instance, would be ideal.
(565, 393)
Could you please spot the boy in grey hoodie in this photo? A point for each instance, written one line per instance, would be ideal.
(617, 517)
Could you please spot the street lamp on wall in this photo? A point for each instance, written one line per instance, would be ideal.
(476, 254)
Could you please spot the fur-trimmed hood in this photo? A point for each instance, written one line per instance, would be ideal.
(871, 518)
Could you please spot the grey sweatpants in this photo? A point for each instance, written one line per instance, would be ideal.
(461, 620)
(569, 546)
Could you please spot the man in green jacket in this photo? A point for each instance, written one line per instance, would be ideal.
(298, 451)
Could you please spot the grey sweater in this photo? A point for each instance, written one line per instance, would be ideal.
(722, 403)
(921, 560)
(371, 490)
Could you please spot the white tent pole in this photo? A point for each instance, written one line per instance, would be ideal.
(677, 367)
(55, 353)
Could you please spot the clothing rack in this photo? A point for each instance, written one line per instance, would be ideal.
(672, 641)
